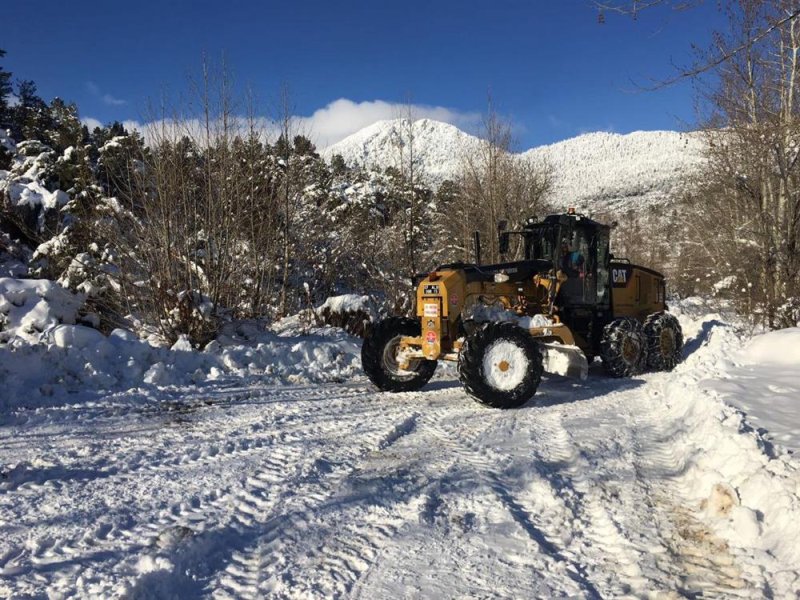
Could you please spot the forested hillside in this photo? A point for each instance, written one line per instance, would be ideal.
(206, 216)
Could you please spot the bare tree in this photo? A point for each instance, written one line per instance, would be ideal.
(745, 220)
(495, 185)
(718, 55)
(182, 228)
(411, 175)
(286, 123)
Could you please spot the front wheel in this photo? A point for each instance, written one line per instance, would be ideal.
(379, 357)
(624, 348)
(500, 365)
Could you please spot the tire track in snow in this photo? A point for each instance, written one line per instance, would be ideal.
(489, 465)
(700, 562)
(627, 509)
(325, 530)
(344, 524)
(106, 540)
(169, 453)
(245, 558)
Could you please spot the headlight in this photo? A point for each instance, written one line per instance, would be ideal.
(500, 277)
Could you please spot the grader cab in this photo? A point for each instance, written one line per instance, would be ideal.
(566, 302)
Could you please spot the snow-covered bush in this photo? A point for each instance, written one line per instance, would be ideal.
(350, 312)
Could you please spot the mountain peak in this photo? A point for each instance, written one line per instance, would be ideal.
(596, 170)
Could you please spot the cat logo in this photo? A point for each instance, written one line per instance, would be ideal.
(619, 277)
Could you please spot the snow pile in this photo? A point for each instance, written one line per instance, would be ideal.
(742, 484)
(29, 307)
(74, 360)
(774, 348)
(763, 381)
(45, 356)
(482, 313)
(348, 303)
(598, 171)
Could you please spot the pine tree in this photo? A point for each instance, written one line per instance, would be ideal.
(5, 91)
(66, 129)
(31, 117)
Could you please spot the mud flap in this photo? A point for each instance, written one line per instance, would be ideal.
(567, 361)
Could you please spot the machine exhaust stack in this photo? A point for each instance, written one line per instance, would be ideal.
(477, 239)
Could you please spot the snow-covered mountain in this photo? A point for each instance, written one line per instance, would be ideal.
(438, 146)
(594, 171)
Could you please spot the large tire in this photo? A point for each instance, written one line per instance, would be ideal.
(664, 341)
(378, 357)
(500, 365)
(624, 348)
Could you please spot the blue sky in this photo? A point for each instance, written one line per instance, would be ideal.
(551, 67)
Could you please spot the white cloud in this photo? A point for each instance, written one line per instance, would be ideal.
(111, 100)
(91, 123)
(94, 90)
(344, 117)
(326, 125)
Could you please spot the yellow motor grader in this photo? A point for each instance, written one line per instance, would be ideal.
(569, 301)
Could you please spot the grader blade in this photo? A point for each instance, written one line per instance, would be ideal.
(567, 361)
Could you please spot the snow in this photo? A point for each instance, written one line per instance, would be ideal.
(7, 142)
(592, 172)
(33, 194)
(75, 360)
(774, 348)
(347, 303)
(438, 147)
(610, 171)
(29, 307)
(505, 365)
(230, 483)
(47, 357)
(763, 381)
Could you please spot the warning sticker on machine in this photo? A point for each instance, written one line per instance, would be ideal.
(430, 337)
(431, 310)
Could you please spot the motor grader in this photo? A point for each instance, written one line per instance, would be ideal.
(569, 301)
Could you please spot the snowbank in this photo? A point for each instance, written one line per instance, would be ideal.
(774, 348)
(29, 307)
(74, 362)
(762, 380)
(746, 487)
(351, 312)
(45, 357)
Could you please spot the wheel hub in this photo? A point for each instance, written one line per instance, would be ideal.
(630, 350)
(666, 342)
(505, 365)
(391, 362)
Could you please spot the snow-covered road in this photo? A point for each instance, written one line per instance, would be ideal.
(603, 488)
